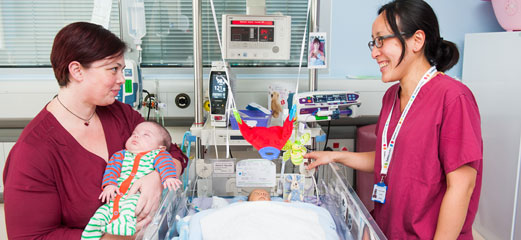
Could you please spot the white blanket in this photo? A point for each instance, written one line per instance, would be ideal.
(268, 220)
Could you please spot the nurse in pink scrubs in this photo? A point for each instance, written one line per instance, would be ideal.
(428, 160)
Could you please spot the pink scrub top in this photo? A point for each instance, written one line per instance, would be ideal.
(441, 132)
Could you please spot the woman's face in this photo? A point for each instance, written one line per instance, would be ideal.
(388, 55)
(103, 79)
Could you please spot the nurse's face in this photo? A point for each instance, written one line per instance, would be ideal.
(103, 79)
(387, 51)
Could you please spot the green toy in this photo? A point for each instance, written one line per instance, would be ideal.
(296, 150)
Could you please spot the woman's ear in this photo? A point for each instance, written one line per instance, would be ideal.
(419, 40)
(75, 70)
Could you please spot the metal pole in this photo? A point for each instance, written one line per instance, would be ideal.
(313, 27)
(313, 74)
(198, 72)
(120, 9)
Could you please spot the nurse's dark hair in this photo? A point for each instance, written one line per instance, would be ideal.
(414, 15)
(85, 43)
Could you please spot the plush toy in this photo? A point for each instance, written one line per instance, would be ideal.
(268, 140)
(276, 108)
(294, 187)
(296, 150)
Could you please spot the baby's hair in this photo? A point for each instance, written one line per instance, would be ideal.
(166, 139)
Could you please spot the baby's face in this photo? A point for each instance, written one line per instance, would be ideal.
(145, 137)
(259, 195)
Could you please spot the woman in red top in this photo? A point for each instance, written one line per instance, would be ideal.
(428, 163)
(54, 171)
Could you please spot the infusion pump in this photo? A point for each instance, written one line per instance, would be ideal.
(326, 105)
(130, 91)
(250, 37)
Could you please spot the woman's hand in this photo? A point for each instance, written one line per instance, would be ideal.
(321, 158)
(150, 188)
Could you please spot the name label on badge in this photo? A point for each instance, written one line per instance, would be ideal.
(379, 191)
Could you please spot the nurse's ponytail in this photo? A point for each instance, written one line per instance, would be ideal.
(445, 55)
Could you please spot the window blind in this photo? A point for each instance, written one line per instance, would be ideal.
(169, 39)
(28, 27)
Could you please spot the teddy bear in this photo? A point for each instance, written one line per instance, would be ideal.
(276, 108)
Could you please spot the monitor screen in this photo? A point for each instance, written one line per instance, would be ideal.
(218, 88)
(244, 34)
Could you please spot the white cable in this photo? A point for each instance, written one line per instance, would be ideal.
(316, 187)
(232, 104)
(195, 184)
(215, 143)
(516, 196)
(304, 37)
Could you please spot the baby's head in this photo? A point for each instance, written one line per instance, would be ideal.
(148, 136)
(259, 195)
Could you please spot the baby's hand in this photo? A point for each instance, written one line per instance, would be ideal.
(172, 183)
(109, 193)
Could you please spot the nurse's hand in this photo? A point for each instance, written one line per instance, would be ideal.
(150, 188)
(321, 158)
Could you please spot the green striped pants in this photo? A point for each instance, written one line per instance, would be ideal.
(124, 225)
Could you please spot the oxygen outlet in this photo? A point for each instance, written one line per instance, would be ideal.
(182, 100)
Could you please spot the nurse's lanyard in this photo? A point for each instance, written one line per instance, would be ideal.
(380, 188)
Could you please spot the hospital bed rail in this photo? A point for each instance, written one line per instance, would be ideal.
(335, 193)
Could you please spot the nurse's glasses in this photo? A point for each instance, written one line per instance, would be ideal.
(379, 41)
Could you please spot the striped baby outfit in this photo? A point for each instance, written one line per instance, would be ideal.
(117, 171)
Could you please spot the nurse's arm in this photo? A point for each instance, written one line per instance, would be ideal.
(455, 203)
(363, 161)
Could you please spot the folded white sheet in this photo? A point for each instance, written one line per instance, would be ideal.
(268, 220)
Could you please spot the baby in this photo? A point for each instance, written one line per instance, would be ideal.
(145, 151)
(259, 195)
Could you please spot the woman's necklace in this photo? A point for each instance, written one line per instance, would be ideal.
(86, 120)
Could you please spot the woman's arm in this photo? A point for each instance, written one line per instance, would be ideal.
(32, 204)
(455, 203)
(363, 161)
(150, 188)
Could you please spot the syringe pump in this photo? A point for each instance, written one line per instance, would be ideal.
(326, 105)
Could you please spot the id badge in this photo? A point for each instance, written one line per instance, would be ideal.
(379, 191)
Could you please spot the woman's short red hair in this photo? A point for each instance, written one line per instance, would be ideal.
(85, 43)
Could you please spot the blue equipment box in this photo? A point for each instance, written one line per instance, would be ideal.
(253, 118)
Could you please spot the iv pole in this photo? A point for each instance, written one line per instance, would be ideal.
(198, 72)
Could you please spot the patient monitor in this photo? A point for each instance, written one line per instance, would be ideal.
(219, 93)
(250, 37)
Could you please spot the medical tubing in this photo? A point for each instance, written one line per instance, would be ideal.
(300, 61)
(185, 176)
(316, 188)
(195, 184)
(327, 134)
(304, 37)
(215, 143)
